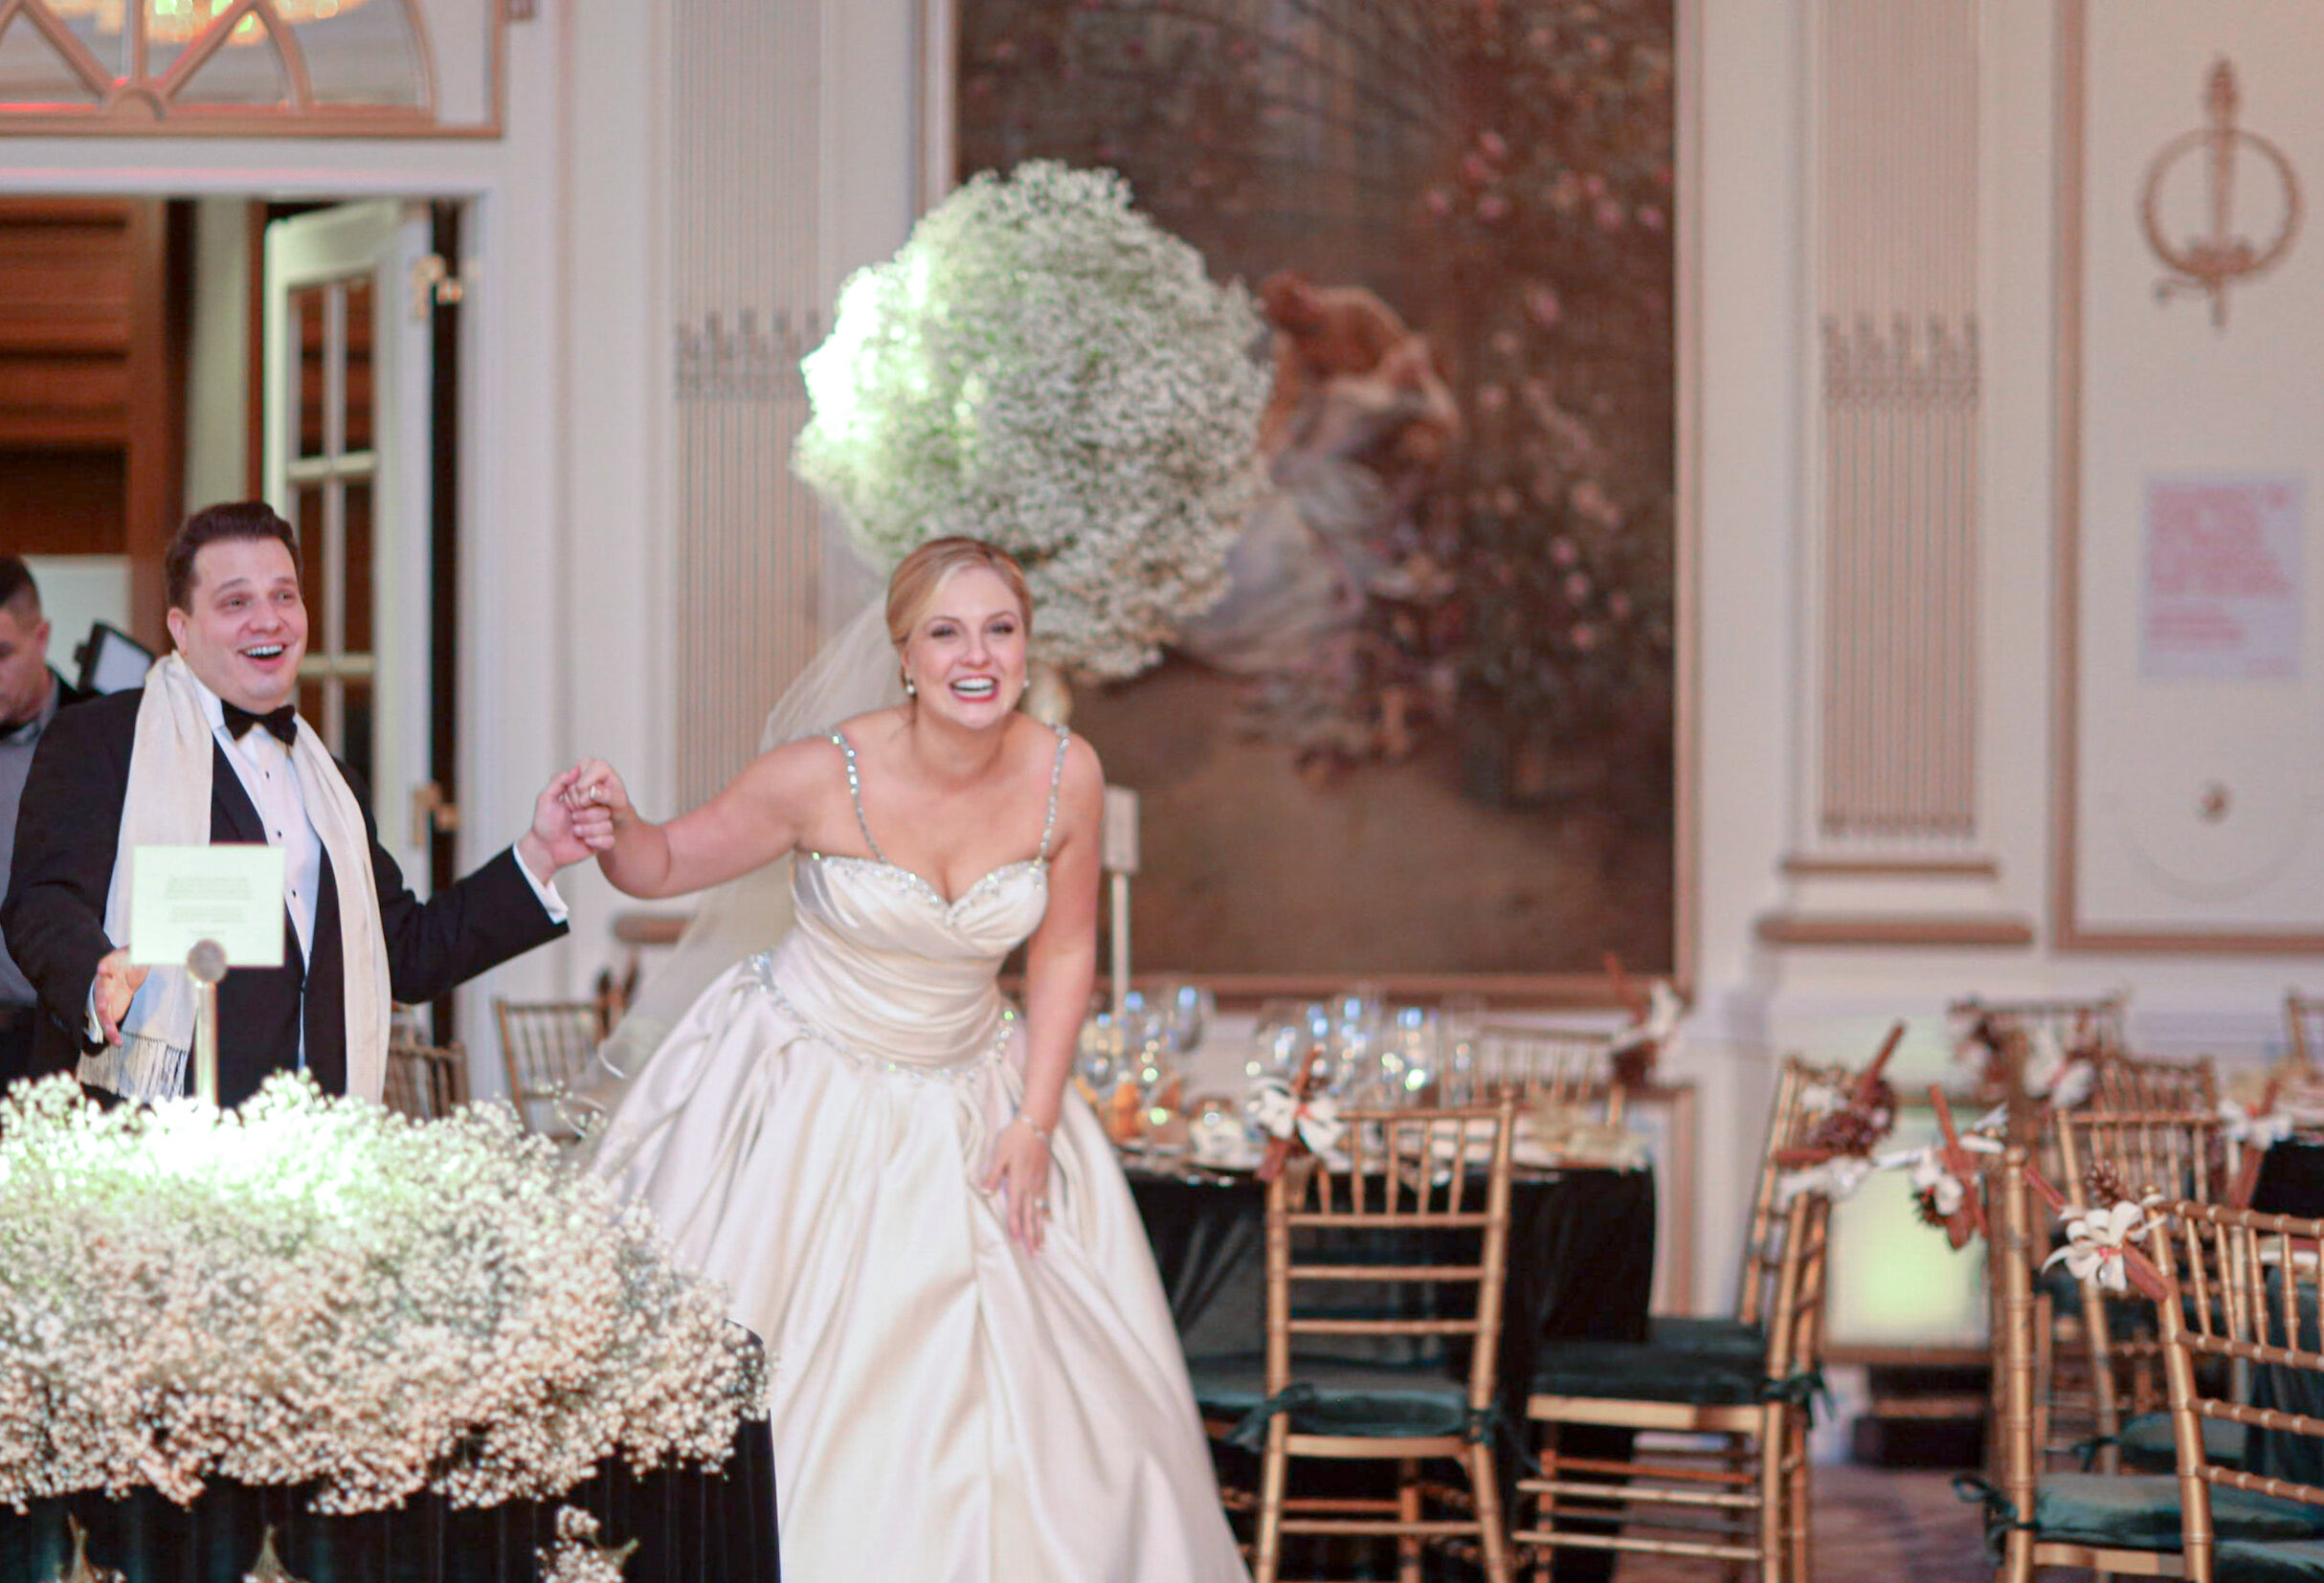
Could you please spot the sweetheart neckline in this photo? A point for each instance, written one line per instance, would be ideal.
(927, 885)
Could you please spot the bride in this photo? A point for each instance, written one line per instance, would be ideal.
(974, 1372)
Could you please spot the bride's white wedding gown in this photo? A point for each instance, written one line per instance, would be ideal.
(947, 1408)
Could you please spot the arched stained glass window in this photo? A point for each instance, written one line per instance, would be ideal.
(293, 67)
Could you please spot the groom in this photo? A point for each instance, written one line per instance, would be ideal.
(211, 751)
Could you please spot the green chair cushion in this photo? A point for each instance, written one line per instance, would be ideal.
(1370, 1400)
(1618, 1370)
(2146, 1444)
(1719, 1337)
(2249, 1561)
(2140, 1511)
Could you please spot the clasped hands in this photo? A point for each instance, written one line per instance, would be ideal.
(596, 801)
(573, 817)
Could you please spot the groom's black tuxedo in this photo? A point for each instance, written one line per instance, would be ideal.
(54, 918)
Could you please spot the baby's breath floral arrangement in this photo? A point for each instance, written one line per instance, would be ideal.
(1042, 367)
(318, 1291)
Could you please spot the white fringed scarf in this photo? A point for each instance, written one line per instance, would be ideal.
(167, 804)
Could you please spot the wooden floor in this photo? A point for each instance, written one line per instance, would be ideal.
(1890, 1525)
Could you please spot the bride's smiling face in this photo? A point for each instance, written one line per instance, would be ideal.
(965, 655)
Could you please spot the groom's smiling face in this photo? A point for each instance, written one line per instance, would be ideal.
(244, 629)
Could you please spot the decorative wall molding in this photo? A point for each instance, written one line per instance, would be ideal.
(2184, 814)
(747, 290)
(743, 361)
(1899, 673)
(1910, 933)
(1891, 769)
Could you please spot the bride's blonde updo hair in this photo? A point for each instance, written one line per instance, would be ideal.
(918, 577)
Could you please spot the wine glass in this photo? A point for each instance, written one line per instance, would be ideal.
(1098, 1052)
(1279, 1037)
(1188, 1008)
(1410, 1061)
(1355, 1020)
(1460, 1016)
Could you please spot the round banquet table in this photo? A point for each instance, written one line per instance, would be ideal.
(1580, 1267)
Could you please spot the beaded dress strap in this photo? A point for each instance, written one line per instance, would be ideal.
(855, 793)
(1057, 776)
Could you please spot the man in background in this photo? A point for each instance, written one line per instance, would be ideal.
(31, 694)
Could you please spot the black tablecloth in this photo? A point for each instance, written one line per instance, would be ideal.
(2290, 1179)
(691, 1527)
(1580, 1267)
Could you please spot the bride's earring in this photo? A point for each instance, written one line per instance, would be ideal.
(911, 689)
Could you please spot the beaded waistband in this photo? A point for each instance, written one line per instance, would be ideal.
(760, 969)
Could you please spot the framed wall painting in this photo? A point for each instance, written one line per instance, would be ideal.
(1428, 739)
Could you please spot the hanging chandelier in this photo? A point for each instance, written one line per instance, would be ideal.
(178, 22)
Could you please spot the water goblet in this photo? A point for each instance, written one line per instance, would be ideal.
(1460, 1016)
(1189, 1009)
(1098, 1053)
(1412, 1056)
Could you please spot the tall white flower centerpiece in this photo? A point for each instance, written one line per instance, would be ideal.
(1044, 368)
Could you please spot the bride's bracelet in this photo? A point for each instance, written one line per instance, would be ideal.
(1039, 1132)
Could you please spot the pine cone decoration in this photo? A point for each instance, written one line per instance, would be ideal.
(2105, 1184)
(1859, 1124)
(1850, 1130)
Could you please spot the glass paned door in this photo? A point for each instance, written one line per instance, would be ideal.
(347, 449)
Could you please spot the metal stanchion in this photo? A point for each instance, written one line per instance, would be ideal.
(205, 966)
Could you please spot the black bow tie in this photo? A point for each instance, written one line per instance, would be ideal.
(283, 723)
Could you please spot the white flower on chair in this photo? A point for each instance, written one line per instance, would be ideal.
(2095, 1238)
(1314, 1119)
(1663, 1009)
(1836, 1178)
(2253, 1131)
(1823, 1098)
(1930, 1175)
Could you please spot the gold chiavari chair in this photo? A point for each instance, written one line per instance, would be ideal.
(2098, 1025)
(2095, 1030)
(1743, 1332)
(1416, 1209)
(2241, 1353)
(1743, 1381)
(2127, 1523)
(1567, 1070)
(2135, 1084)
(2303, 1022)
(1746, 1506)
(425, 1082)
(2108, 1157)
(2037, 1517)
(547, 1048)
(2296, 1082)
